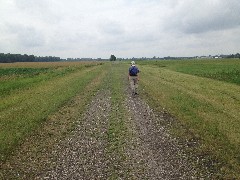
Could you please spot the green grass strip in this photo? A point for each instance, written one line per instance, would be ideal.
(16, 79)
(56, 127)
(28, 108)
(117, 131)
(227, 70)
(208, 108)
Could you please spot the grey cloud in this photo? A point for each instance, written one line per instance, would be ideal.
(26, 36)
(33, 4)
(204, 17)
(39, 10)
(111, 28)
(78, 28)
(141, 37)
(129, 41)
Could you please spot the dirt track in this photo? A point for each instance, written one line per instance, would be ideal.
(149, 152)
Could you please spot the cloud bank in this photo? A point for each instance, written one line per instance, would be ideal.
(137, 28)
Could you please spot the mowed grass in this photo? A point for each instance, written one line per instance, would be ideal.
(29, 103)
(227, 70)
(18, 77)
(207, 108)
(117, 133)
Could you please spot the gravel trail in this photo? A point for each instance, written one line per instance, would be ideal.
(149, 151)
(156, 153)
(82, 154)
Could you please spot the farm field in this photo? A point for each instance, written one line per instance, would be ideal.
(227, 70)
(208, 108)
(80, 120)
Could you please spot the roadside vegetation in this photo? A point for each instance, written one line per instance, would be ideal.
(207, 109)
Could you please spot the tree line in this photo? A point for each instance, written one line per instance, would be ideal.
(234, 56)
(10, 58)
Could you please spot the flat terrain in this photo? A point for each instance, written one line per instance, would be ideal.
(101, 131)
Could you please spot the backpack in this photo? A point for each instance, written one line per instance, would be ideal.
(133, 71)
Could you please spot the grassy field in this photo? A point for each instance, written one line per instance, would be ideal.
(227, 70)
(203, 95)
(31, 93)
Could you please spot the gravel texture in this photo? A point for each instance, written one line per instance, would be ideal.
(155, 152)
(150, 151)
(82, 154)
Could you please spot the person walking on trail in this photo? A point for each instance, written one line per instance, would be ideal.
(133, 77)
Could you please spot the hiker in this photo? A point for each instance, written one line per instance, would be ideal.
(133, 77)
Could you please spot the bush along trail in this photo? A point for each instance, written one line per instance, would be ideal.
(106, 134)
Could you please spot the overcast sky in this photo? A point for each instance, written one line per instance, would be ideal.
(125, 28)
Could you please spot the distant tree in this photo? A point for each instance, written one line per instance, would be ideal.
(113, 58)
(9, 58)
(230, 56)
(237, 55)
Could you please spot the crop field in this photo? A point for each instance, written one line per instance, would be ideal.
(44, 104)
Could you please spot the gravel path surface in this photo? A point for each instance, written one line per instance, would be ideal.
(82, 154)
(157, 154)
(149, 150)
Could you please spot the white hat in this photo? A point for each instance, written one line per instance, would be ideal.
(133, 63)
